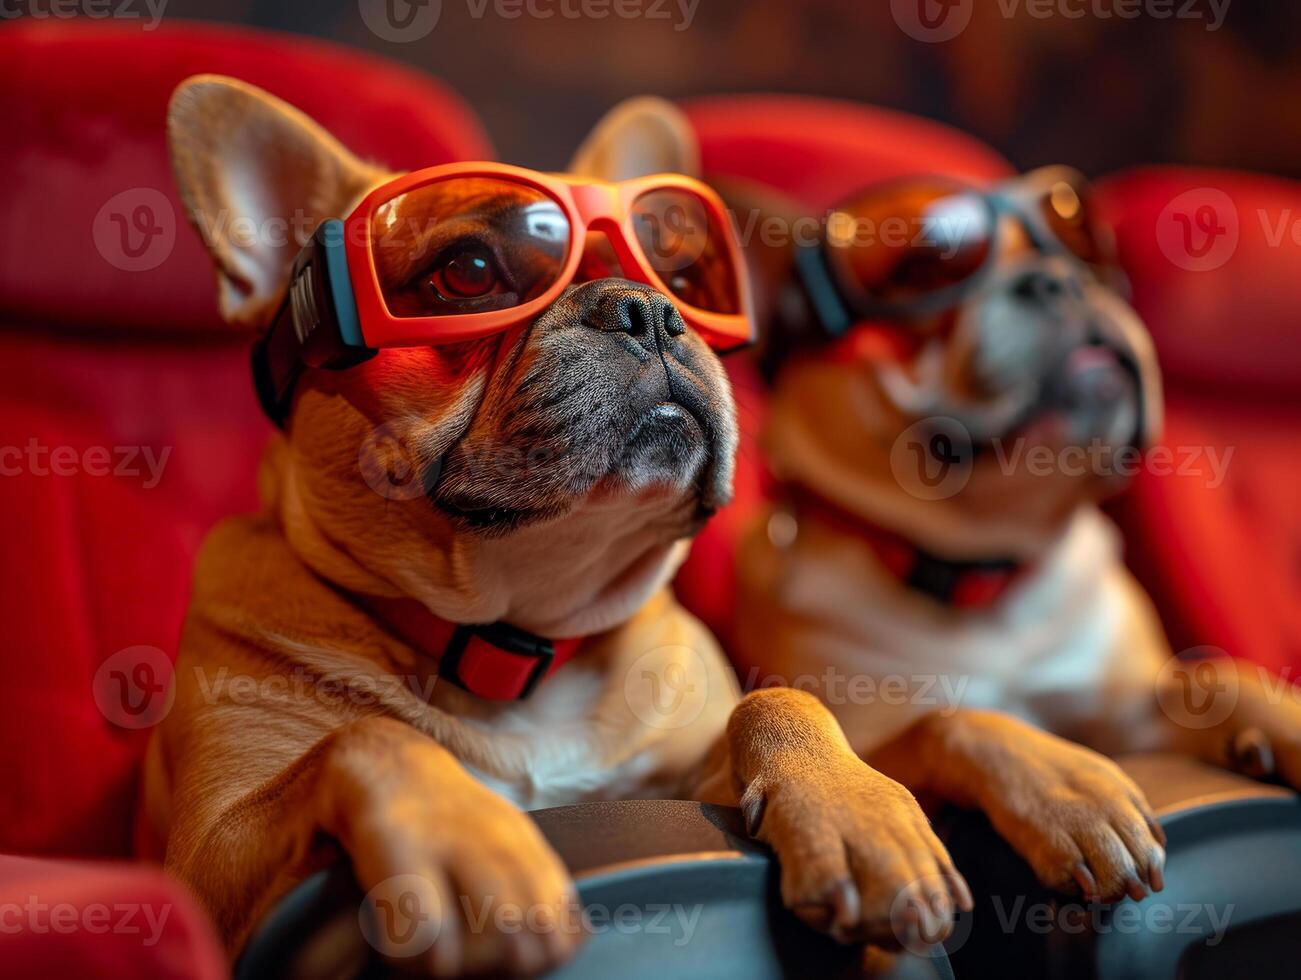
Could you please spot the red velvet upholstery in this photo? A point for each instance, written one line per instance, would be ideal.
(819, 150)
(83, 117)
(816, 151)
(68, 919)
(95, 357)
(1222, 561)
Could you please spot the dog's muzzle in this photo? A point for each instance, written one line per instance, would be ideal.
(1029, 343)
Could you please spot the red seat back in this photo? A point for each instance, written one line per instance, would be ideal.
(127, 419)
(818, 151)
(1214, 258)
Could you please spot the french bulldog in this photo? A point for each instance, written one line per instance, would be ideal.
(575, 458)
(961, 606)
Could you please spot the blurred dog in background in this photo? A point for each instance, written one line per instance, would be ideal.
(956, 383)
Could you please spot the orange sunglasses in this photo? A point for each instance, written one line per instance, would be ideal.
(464, 251)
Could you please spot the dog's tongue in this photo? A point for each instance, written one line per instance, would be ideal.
(1094, 373)
(1048, 428)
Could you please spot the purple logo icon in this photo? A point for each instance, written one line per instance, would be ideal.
(135, 230)
(133, 688)
(1199, 688)
(1198, 231)
(401, 21)
(401, 916)
(932, 458)
(932, 21)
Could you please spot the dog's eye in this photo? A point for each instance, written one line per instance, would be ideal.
(465, 272)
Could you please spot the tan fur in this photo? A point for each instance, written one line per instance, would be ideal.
(1073, 654)
(300, 725)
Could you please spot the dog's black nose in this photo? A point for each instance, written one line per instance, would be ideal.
(632, 308)
(1046, 286)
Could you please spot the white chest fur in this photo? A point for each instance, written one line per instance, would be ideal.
(1074, 631)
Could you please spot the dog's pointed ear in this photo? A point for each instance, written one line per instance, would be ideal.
(256, 177)
(640, 136)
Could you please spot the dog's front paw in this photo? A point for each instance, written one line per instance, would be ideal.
(1260, 734)
(858, 857)
(1073, 814)
(458, 880)
(1269, 750)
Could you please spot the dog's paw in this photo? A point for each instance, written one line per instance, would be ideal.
(1264, 740)
(858, 857)
(458, 880)
(1081, 823)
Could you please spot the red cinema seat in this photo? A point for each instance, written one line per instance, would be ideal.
(129, 424)
(818, 151)
(815, 152)
(1214, 257)
(61, 918)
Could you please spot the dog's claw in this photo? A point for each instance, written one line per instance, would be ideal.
(848, 904)
(1157, 832)
(844, 871)
(933, 921)
(1251, 754)
(753, 805)
(1156, 870)
(961, 891)
(941, 905)
(1084, 878)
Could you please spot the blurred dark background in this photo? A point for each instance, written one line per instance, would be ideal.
(1100, 84)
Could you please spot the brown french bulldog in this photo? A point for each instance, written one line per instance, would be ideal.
(957, 382)
(574, 459)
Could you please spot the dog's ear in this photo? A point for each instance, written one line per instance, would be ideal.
(637, 137)
(256, 176)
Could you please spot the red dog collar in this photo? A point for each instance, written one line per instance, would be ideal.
(497, 662)
(960, 584)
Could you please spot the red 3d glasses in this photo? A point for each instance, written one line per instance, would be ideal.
(911, 248)
(465, 251)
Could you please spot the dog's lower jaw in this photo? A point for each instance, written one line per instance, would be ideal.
(578, 573)
(667, 447)
(564, 592)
